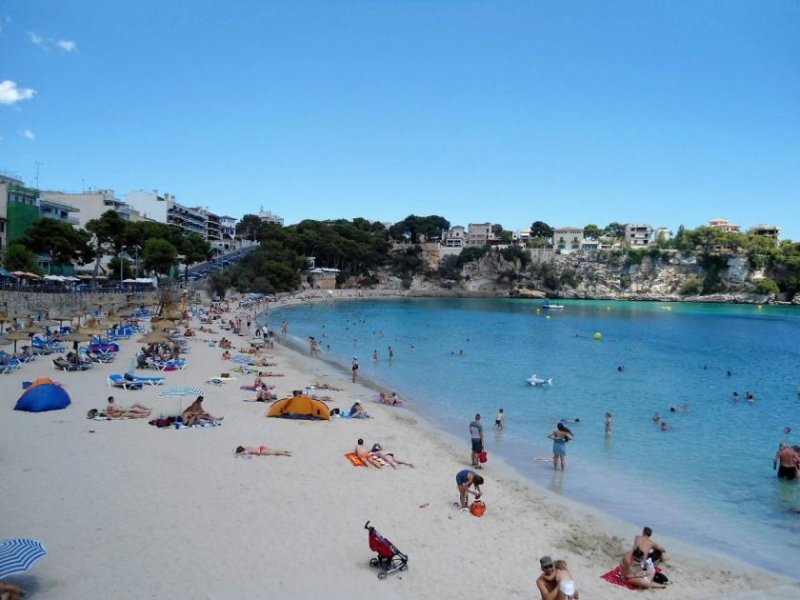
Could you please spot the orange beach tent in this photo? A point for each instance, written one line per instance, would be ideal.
(300, 407)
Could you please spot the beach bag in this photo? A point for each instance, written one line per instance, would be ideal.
(477, 508)
(660, 577)
(483, 457)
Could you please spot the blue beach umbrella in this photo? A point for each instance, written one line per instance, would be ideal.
(18, 555)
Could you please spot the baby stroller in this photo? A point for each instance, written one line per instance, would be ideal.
(389, 559)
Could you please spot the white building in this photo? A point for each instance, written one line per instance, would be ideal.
(91, 204)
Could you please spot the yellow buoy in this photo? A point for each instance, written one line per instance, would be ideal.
(597, 335)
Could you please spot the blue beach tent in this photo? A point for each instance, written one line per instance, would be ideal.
(42, 395)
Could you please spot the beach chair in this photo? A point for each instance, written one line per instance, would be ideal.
(132, 377)
(117, 380)
(11, 365)
(389, 559)
(62, 364)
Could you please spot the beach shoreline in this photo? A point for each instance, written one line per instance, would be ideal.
(129, 510)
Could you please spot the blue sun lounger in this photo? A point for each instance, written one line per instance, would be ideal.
(117, 380)
(133, 378)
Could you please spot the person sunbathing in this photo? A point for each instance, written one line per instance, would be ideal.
(365, 455)
(135, 411)
(326, 386)
(195, 414)
(259, 451)
(389, 457)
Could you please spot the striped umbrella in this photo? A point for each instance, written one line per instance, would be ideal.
(179, 391)
(182, 390)
(18, 555)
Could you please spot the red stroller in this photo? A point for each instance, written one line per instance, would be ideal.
(389, 559)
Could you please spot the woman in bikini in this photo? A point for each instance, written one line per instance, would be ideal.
(259, 451)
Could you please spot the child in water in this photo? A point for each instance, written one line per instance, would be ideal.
(566, 585)
(500, 420)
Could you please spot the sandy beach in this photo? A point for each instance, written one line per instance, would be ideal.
(128, 510)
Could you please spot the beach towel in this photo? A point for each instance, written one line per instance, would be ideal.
(615, 576)
(354, 460)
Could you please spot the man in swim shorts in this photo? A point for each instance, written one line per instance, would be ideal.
(651, 550)
(465, 479)
(789, 459)
(476, 435)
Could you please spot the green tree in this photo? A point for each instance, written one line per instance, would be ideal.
(615, 230)
(107, 236)
(249, 227)
(159, 255)
(540, 229)
(592, 231)
(413, 226)
(60, 241)
(194, 249)
(19, 258)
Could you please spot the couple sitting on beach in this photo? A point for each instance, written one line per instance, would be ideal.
(377, 456)
(392, 400)
(195, 414)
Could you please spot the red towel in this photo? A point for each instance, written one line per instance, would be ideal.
(354, 460)
(615, 576)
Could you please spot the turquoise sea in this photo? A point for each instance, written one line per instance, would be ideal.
(707, 479)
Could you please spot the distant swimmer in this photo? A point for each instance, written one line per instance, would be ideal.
(608, 423)
(656, 417)
(663, 425)
(750, 397)
(621, 368)
(735, 396)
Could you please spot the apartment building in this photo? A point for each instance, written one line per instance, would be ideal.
(638, 235)
(478, 234)
(90, 205)
(770, 231)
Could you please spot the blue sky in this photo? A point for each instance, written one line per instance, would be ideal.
(571, 113)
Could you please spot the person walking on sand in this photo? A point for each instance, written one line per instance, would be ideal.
(560, 436)
(464, 480)
(476, 436)
(354, 369)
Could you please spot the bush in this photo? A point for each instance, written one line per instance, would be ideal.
(692, 286)
(767, 286)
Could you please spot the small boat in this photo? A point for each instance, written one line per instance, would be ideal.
(537, 381)
(547, 305)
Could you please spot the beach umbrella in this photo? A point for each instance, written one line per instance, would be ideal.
(181, 391)
(77, 336)
(162, 325)
(177, 391)
(154, 337)
(31, 327)
(18, 555)
(16, 336)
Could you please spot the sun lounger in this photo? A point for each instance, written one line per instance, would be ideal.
(117, 380)
(11, 365)
(133, 378)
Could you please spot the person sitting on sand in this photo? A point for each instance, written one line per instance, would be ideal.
(651, 550)
(326, 386)
(226, 355)
(135, 411)
(365, 455)
(357, 412)
(566, 584)
(195, 414)
(259, 451)
(389, 457)
(633, 573)
(264, 395)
